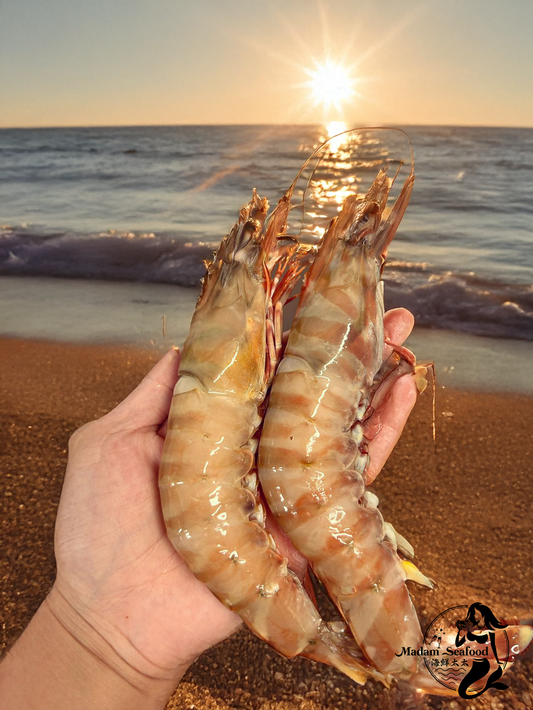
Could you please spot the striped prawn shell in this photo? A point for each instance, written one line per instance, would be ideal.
(312, 453)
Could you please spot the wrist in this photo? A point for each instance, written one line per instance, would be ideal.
(119, 632)
(63, 661)
(94, 636)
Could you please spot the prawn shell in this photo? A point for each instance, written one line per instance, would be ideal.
(207, 511)
(312, 453)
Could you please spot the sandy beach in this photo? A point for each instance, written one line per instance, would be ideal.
(465, 507)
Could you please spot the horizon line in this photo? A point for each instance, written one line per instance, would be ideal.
(385, 124)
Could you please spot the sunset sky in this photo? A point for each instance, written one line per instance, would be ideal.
(149, 62)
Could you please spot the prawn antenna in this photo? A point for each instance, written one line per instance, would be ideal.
(434, 404)
(430, 367)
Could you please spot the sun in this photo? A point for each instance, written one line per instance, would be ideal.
(331, 84)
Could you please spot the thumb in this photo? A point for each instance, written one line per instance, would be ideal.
(148, 405)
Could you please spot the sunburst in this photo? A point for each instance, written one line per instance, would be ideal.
(331, 84)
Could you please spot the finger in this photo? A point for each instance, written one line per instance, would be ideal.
(148, 405)
(398, 324)
(393, 414)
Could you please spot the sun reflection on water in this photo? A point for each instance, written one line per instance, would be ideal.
(347, 164)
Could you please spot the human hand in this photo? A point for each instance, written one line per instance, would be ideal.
(116, 567)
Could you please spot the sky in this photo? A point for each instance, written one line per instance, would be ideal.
(152, 62)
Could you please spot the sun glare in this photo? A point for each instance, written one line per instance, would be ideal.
(335, 127)
(336, 141)
(331, 84)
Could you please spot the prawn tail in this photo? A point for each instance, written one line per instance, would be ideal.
(336, 648)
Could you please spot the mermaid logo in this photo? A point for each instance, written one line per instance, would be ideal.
(465, 645)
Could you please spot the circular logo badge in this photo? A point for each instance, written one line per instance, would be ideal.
(466, 649)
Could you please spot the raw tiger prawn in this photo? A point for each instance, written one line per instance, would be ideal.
(313, 453)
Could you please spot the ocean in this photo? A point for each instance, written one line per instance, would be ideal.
(147, 205)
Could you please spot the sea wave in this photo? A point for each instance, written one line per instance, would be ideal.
(438, 299)
(461, 301)
(112, 255)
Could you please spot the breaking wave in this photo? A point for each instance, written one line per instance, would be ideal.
(438, 299)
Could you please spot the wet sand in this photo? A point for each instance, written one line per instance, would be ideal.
(466, 508)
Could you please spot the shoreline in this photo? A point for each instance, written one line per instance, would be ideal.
(154, 317)
(465, 508)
